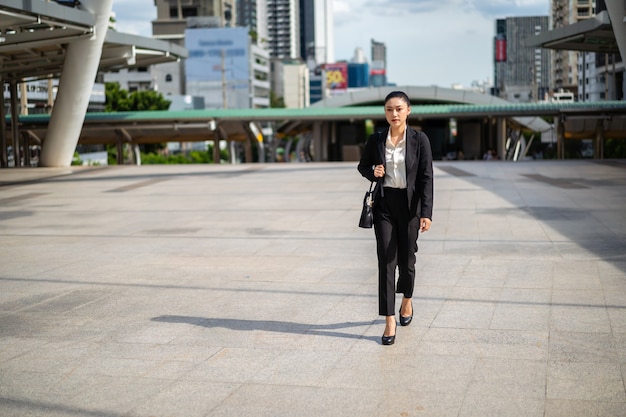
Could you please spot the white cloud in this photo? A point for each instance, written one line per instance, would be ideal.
(440, 42)
(341, 7)
(134, 16)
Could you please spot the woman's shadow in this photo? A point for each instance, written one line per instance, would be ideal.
(272, 326)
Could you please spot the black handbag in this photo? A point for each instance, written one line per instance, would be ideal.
(367, 217)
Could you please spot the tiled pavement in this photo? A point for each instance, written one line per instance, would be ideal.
(248, 290)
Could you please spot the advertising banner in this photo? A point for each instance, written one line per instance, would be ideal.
(500, 49)
(337, 77)
(218, 52)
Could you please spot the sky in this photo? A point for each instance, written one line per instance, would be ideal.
(429, 42)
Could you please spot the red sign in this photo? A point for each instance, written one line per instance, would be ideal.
(500, 50)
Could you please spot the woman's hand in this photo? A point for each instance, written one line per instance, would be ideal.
(379, 171)
(424, 224)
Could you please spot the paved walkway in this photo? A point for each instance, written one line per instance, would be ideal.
(248, 290)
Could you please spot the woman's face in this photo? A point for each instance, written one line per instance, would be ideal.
(396, 111)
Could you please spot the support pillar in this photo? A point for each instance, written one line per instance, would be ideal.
(501, 137)
(15, 124)
(256, 139)
(75, 85)
(28, 155)
(560, 138)
(135, 151)
(317, 142)
(598, 152)
(23, 98)
(119, 146)
(248, 148)
(4, 160)
(617, 15)
(216, 148)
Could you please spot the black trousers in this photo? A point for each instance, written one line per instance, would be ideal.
(396, 246)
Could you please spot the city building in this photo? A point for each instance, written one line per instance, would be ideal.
(226, 69)
(229, 71)
(317, 85)
(378, 69)
(252, 14)
(596, 43)
(358, 74)
(600, 74)
(283, 25)
(291, 82)
(316, 32)
(521, 73)
(173, 18)
(565, 63)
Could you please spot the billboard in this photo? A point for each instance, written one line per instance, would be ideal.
(213, 52)
(337, 77)
(500, 48)
(218, 66)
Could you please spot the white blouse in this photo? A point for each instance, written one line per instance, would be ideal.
(395, 166)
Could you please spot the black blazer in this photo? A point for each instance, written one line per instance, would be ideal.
(419, 169)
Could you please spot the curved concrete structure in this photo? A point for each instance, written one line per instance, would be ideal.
(428, 94)
(617, 14)
(75, 85)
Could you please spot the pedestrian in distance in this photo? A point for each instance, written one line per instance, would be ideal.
(399, 160)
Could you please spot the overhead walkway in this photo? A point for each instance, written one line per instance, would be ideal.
(590, 35)
(436, 95)
(137, 128)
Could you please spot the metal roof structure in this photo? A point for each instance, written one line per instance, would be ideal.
(429, 95)
(34, 34)
(591, 35)
(195, 125)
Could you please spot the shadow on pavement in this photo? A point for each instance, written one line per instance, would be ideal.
(272, 326)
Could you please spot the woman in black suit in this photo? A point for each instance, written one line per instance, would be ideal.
(399, 159)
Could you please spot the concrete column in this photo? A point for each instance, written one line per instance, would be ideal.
(599, 140)
(23, 99)
(560, 139)
(75, 85)
(317, 142)
(248, 148)
(135, 151)
(501, 137)
(121, 138)
(219, 134)
(4, 158)
(15, 120)
(617, 12)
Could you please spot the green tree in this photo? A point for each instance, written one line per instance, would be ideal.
(276, 102)
(118, 99)
(147, 101)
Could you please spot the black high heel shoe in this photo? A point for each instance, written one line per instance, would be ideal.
(405, 321)
(389, 340)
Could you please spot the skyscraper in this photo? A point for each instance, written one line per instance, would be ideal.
(316, 32)
(565, 63)
(224, 67)
(378, 70)
(253, 15)
(522, 74)
(283, 26)
(173, 18)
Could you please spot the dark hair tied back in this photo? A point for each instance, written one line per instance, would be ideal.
(398, 94)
